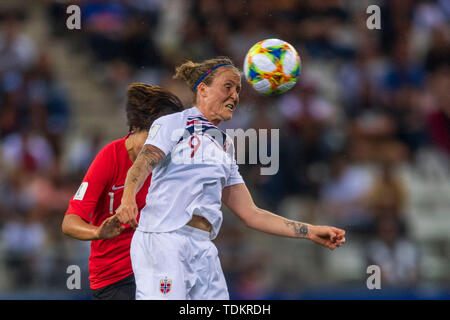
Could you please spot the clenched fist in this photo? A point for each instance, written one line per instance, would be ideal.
(127, 213)
(326, 236)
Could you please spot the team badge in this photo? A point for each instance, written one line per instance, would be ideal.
(165, 285)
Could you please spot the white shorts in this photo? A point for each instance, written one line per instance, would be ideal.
(178, 265)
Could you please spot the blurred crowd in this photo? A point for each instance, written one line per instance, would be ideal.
(34, 113)
(368, 102)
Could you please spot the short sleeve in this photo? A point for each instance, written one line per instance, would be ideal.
(98, 176)
(165, 132)
(234, 177)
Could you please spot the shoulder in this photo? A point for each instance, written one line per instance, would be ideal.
(111, 150)
(174, 118)
(174, 123)
(113, 146)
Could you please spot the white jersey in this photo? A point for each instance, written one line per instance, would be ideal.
(199, 163)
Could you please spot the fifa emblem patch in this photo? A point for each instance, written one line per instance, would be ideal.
(165, 285)
(153, 130)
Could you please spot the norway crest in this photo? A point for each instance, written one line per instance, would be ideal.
(165, 285)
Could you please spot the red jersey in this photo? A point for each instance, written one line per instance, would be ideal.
(97, 198)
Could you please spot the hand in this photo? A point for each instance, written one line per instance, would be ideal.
(326, 236)
(109, 228)
(127, 214)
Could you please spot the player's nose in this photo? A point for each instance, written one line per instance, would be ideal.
(235, 96)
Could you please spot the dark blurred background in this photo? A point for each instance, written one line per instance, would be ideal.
(364, 136)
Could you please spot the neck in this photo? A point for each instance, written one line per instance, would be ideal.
(208, 115)
(134, 144)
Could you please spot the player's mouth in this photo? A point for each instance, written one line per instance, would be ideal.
(230, 106)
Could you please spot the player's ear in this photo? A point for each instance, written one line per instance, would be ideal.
(201, 89)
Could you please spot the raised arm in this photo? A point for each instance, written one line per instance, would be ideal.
(238, 199)
(146, 161)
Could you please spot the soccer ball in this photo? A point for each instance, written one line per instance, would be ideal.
(272, 66)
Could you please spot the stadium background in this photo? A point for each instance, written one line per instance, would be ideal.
(364, 136)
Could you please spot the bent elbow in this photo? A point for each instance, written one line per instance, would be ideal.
(250, 218)
(65, 227)
(246, 223)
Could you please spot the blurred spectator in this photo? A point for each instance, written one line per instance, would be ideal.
(23, 239)
(403, 72)
(253, 282)
(306, 118)
(305, 111)
(386, 197)
(360, 78)
(118, 76)
(437, 56)
(27, 151)
(48, 105)
(430, 14)
(318, 23)
(150, 9)
(81, 152)
(343, 195)
(14, 197)
(139, 49)
(17, 50)
(104, 22)
(11, 116)
(196, 47)
(252, 30)
(397, 257)
(439, 118)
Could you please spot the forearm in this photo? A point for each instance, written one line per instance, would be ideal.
(136, 177)
(77, 228)
(268, 222)
(238, 199)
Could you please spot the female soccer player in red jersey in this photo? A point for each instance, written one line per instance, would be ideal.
(90, 215)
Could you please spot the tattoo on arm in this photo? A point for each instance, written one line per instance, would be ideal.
(152, 156)
(147, 160)
(300, 229)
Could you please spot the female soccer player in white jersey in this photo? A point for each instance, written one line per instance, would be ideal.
(193, 172)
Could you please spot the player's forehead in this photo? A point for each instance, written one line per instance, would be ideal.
(228, 75)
